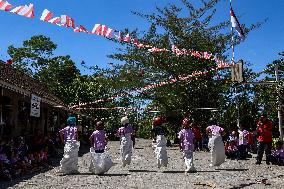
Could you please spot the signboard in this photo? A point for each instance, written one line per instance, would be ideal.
(35, 106)
(237, 72)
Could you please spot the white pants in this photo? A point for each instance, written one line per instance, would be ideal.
(69, 162)
(217, 150)
(100, 162)
(188, 160)
(126, 145)
(161, 151)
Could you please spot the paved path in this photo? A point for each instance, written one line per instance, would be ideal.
(143, 173)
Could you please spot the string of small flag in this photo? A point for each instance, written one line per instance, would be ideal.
(103, 30)
(156, 85)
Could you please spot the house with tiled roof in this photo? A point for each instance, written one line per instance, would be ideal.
(16, 91)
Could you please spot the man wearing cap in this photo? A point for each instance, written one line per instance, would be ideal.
(126, 143)
(69, 136)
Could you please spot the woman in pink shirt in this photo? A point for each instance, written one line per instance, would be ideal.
(186, 137)
(100, 162)
(215, 143)
(69, 136)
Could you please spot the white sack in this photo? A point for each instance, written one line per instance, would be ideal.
(217, 150)
(188, 159)
(161, 151)
(100, 162)
(69, 162)
(126, 145)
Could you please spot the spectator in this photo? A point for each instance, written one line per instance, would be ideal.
(277, 157)
(242, 144)
(198, 138)
(264, 133)
(231, 150)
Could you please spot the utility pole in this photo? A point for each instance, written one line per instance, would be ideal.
(279, 105)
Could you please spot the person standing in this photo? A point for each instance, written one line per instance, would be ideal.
(100, 162)
(215, 143)
(126, 144)
(158, 133)
(242, 143)
(69, 136)
(197, 136)
(186, 137)
(264, 133)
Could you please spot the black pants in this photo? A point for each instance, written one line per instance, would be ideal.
(198, 144)
(242, 151)
(261, 146)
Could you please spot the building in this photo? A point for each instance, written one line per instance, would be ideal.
(16, 89)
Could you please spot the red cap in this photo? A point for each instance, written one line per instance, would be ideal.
(9, 62)
(157, 121)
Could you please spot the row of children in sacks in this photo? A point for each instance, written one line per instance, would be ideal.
(101, 162)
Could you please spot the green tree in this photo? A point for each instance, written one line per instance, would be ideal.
(195, 31)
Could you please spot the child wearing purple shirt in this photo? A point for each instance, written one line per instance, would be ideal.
(100, 162)
(186, 137)
(68, 135)
(215, 143)
(99, 138)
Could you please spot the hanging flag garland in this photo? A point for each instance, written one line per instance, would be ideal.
(5, 6)
(105, 31)
(160, 84)
(27, 11)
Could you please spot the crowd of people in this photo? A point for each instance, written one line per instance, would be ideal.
(22, 155)
(18, 157)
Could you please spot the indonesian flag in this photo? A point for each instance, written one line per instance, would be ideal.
(236, 24)
(27, 11)
(5, 6)
(67, 21)
(81, 29)
(46, 15)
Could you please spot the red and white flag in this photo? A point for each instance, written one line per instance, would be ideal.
(46, 15)
(81, 29)
(5, 6)
(55, 20)
(236, 24)
(27, 11)
(67, 21)
(103, 30)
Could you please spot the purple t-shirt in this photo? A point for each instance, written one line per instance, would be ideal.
(243, 137)
(215, 129)
(70, 133)
(122, 131)
(186, 136)
(99, 139)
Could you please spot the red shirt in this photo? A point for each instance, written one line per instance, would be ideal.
(250, 138)
(196, 132)
(264, 131)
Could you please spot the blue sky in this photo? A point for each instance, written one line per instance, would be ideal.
(260, 47)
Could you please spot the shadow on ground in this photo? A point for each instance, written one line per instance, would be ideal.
(242, 185)
(139, 171)
(232, 169)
